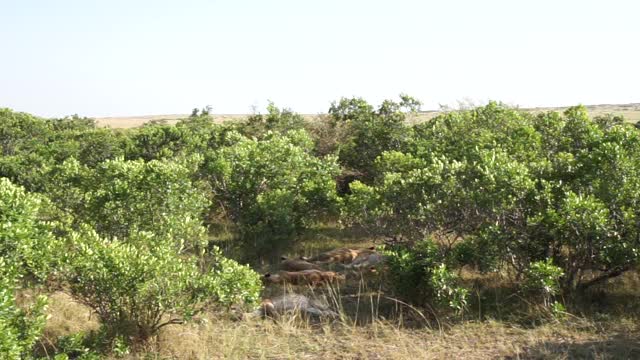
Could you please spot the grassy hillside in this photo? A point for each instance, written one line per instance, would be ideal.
(631, 112)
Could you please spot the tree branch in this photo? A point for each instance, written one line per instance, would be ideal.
(604, 277)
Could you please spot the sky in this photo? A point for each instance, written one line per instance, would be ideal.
(123, 58)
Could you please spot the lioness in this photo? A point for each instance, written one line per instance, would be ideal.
(294, 303)
(305, 277)
(341, 256)
(366, 260)
(297, 265)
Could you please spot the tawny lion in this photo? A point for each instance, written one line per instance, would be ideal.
(305, 277)
(341, 256)
(366, 260)
(297, 265)
(291, 303)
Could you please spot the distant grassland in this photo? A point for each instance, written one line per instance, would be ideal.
(631, 112)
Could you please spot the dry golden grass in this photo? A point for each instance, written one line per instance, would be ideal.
(631, 112)
(220, 337)
(358, 336)
(135, 121)
(373, 326)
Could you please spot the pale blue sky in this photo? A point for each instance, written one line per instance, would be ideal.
(116, 58)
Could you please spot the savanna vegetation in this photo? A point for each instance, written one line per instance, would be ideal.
(496, 226)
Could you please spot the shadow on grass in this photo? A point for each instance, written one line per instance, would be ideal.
(317, 239)
(492, 296)
(618, 346)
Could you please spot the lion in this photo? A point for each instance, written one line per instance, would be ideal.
(292, 303)
(297, 265)
(304, 277)
(340, 256)
(366, 260)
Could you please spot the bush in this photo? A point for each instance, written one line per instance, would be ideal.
(155, 142)
(20, 132)
(139, 286)
(528, 187)
(19, 329)
(272, 187)
(418, 274)
(77, 346)
(544, 278)
(98, 145)
(480, 252)
(118, 198)
(276, 120)
(73, 123)
(365, 133)
(26, 241)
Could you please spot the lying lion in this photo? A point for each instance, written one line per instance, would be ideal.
(297, 265)
(341, 256)
(366, 260)
(292, 303)
(305, 277)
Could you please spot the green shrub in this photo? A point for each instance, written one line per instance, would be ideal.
(365, 133)
(98, 145)
(26, 241)
(120, 197)
(77, 346)
(524, 187)
(480, 252)
(139, 286)
(447, 291)
(276, 120)
(272, 188)
(72, 123)
(20, 132)
(544, 278)
(19, 329)
(418, 274)
(155, 142)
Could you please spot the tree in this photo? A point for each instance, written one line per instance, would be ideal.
(527, 187)
(27, 243)
(276, 120)
(138, 286)
(366, 132)
(119, 198)
(19, 328)
(272, 187)
(29, 253)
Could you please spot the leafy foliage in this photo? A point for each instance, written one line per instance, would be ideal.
(119, 198)
(139, 286)
(368, 132)
(117, 215)
(19, 329)
(529, 187)
(31, 146)
(155, 142)
(544, 277)
(272, 187)
(276, 120)
(27, 243)
(418, 274)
